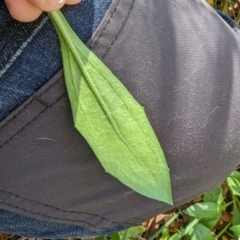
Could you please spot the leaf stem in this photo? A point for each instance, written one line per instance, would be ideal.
(231, 235)
(165, 225)
(223, 230)
(188, 228)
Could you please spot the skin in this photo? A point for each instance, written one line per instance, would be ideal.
(29, 10)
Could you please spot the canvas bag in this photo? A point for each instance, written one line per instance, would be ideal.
(184, 70)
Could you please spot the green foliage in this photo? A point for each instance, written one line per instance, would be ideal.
(234, 185)
(131, 232)
(165, 234)
(101, 238)
(209, 210)
(115, 236)
(214, 196)
(236, 230)
(111, 120)
(236, 213)
(206, 215)
(199, 231)
(235, 174)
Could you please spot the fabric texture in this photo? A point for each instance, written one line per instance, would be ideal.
(29, 53)
(187, 79)
(24, 226)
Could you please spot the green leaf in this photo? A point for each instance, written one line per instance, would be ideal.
(236, 175)
(225, 7)
(165, 234)
(204, 210)
(214, 196)
(236, 230)
(200, 232)
(185, 231)
(210, 223)
(111, 120)
(101, 238)
(132, 232)
(124, 235)
(115, 236)
(236, 214)
(175, 236)
(234, 185)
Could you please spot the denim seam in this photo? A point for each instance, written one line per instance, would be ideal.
(106, 24)
(65, 219)
(22, 47)
(34, 99)
(55, 208)
(4, 143)
(120, 30)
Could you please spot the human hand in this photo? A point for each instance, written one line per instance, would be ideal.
(29, 10)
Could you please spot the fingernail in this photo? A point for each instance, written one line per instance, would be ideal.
(55, 2)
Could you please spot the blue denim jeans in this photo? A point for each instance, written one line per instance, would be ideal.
(13, 223)
(29, 53)
(30, 56)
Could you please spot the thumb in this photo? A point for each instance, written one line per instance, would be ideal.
(23, 10)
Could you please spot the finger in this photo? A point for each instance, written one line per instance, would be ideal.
(72, 2)
(23, 10)
(48, 5)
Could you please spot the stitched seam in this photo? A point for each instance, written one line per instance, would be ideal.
(58, 209)
(66, 219)
(22, 47)
(4, 143)
(52, 207)
(29, 104)
(106, 24)
(120, 30)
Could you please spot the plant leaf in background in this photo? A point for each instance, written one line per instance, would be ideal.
(236, 175)
(131, 232)
(236, 230)
(111, 120)
(165, 234)
(203, 210)
(236, 213)
(199, 231)
(234, 185)
(214, 196)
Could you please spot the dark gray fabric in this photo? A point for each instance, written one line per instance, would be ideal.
(184, 70)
